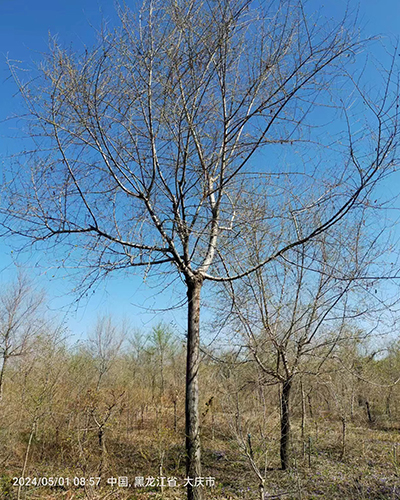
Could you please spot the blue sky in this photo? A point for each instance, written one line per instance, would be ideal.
(24, 33)
(24, 29)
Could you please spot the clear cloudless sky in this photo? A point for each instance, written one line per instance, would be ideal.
(25, 26)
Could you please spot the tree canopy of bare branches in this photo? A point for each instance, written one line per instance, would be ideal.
(19, 322)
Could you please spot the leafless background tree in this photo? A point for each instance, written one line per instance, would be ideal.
(20, 322)
(300, 310)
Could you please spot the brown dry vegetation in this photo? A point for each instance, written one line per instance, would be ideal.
(59, 420)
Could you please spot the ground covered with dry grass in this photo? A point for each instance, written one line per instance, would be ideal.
(370, 468)
(64, 423)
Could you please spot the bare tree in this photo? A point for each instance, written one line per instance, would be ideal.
(143, 143)
(161, 341)
(38, 377)
(105, 342)
(19, 322)
(295, 313)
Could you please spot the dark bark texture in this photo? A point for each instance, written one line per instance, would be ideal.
(193, 463)
(285, 425)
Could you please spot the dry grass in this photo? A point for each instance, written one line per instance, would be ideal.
(369, 470)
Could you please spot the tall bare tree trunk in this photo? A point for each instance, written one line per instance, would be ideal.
(193, 462)
(388, 399)
(344, 430)
(303, 410)
(2, 371)
(285, 425)
(370, 419)
(102, 450)
(28, 449)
